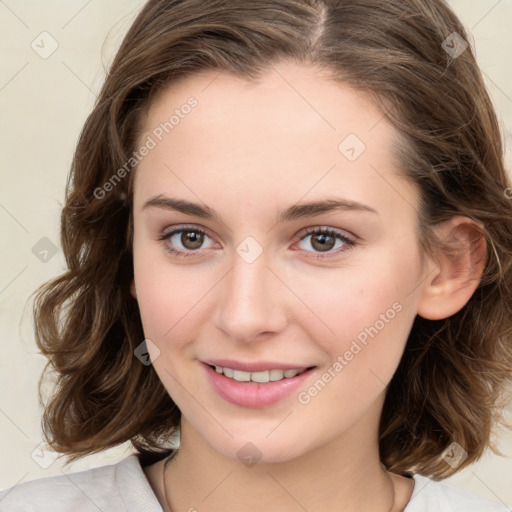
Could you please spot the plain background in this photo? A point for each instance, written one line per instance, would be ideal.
(44, 101)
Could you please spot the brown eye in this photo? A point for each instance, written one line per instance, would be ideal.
(185, 241)
(326, 242)
(192, 239)
(323, 242)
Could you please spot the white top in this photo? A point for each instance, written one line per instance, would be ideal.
(123, 487)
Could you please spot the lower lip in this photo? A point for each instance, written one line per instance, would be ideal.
(252, 394)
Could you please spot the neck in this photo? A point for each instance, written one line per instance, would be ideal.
(344, 474)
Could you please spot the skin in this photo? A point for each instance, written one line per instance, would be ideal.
(249, 151)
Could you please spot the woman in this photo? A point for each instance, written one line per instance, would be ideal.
(289, 242)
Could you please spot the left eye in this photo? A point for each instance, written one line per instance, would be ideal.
(324, 240)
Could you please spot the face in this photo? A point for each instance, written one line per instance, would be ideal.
(273, 231)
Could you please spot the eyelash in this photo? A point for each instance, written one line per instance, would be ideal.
(349, 243)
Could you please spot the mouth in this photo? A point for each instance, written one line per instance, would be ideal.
(257, 385)
(259, 377)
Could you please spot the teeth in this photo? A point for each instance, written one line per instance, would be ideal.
(228, 372)
(260, 377)
(276, 374)
(242, 376)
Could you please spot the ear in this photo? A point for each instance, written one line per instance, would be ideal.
(458, 269)
(133, 291)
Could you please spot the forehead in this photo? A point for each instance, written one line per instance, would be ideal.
(294, 130)
(294, 96)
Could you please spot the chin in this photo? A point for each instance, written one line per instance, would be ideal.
(256, 449)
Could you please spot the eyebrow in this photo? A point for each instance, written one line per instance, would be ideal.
(294, 212)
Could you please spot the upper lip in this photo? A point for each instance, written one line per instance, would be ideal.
(255, 366)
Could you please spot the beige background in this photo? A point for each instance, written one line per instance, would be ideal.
(44, 102)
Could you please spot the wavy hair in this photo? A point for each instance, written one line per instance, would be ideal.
(450, 383)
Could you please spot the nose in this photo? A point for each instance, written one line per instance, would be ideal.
(251, 301)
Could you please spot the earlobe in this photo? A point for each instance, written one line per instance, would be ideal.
(457, 269)
(132, 289)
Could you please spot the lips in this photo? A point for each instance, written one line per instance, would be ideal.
(255, 391)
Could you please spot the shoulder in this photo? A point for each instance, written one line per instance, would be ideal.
(113, 488)
(433, 496)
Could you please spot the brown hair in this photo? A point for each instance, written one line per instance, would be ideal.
(450, 381)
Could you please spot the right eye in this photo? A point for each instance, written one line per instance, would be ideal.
(190, 238)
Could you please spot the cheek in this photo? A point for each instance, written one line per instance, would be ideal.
(165, 303)
(155, 298)
(371, 316)
(170, 297)
(356, 301)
